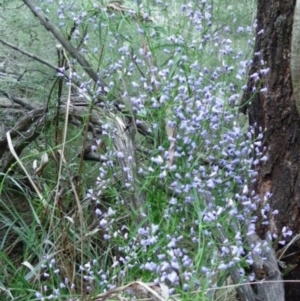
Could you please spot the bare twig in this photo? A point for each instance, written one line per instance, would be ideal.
(42, 61)
(36, 58)
(64, 42)
(80, 213)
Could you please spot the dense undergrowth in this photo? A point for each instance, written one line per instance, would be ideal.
(165, 199)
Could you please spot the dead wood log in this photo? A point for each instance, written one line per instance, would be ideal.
(126, 156)
(265, 266)
(28, 128)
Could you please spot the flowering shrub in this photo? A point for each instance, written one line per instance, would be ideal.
(170, 203)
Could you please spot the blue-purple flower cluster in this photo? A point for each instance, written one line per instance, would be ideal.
(197, 172)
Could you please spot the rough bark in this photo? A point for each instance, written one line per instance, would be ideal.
(295, 56)
(275, 112)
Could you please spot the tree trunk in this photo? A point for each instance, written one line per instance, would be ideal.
(274, 110)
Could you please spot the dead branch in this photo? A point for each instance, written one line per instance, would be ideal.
(36, 58)
(65, 43)
(22, 126)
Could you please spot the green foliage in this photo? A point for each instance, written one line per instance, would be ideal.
(82, 235)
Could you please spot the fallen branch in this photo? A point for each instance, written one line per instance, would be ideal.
(122, 134)
(22, 126)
